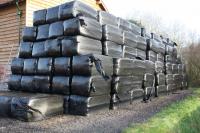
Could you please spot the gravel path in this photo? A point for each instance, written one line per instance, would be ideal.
(102, 120)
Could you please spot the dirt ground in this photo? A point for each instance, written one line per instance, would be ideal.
(102, 120)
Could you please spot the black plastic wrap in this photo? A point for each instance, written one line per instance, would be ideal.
(44, 66)
(149, 80)
(80, 105)
(5, 102)
(92, 64)
(169, 79)
(90, 86)
(25, 49)
(62, 66)
(27, 84)
(39, 49)
(61, 85)
(83, 26)
(128, 67)
(42, 84)
(30, 66)
(112, 49)
(159, 67)
(17, 65)
(174, 68)
(66, 104)
(80, 45)
(52, 14)
(107, 18)
(141, 54)
(56, 29)
(39, 17)
(112, 33)
(160, 79)
(160, 57)
(43, 32)
(152, 56)
(155, 46)
(74, 9)
(53, 47)
(36, 107)
(130, 52)
(141, 43)
(14, 82)
(29, 34)
(130, 39)
(168, 68)
(150, 67)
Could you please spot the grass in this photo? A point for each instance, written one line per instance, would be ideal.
(179, 117)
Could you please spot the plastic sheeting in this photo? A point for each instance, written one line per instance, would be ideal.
(83, 26)
(62, 66)
(39, 49)
(56, 29)
(79, 45)
(80, 105)
(107, 18)
(90, 85)
(44, 66)
(112, 33)
(152, 56)
(30, 66)
(29, 34)
(130, 52)
(130, 39)
(39, 17)
(43, 32)
(52, 14)
(17, 65)
(25, 49)
(61, 85)
(53, 47)
(112, 49)
(14, 82)
(74, 9)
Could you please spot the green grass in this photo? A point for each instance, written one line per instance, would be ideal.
(179, 117)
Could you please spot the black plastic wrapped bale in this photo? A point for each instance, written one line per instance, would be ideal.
(83, 26)
(130, 39)
(80, 105)
(30, 66)
(25, 49)
(150, 67)
(168, 58)
(66, 104)
(155, 46)
(169, 50)
(61, 85)
(141, 43)
(168, 68)
(159, 67)
(112, 33)
(36, 107)
(14, 82)
(160, 57)
(43, 32)
(44, 66)
(128, 67)
(90, 85)
(17, 65)
(141, 54)
(39, 49)
(169, 79)
(130, 52)
(52, 14)
(27, 84)
(112, 49)
(92, 64)
(42, 84)
(62, 66)
(79, 45)
(107, 18)
(39, 17)
(174, 68)
(152, 56)
(53, 47)
(74, 9)
(56, 29)
(149, 80)
(29, 34)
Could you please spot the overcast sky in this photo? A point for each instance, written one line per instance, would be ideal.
(185, 12)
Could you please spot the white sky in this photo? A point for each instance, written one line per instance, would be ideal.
(185, 12)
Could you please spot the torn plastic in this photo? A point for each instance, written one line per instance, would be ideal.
(107, 18)
(56, 29)
(30, 66)
(29, 34)
(79, 45)
(74, 9)
(17, 65)
(53, 47)
(27, 84)
(43, 32)
(61, 85)
(62, 66)
(14, 82)
(112, 49)
(44, 66)
(39, 17)
(83, 26)
(25, 49)
(52, 14)
(39, 49)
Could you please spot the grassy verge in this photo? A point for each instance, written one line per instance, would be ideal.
(179, 117)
